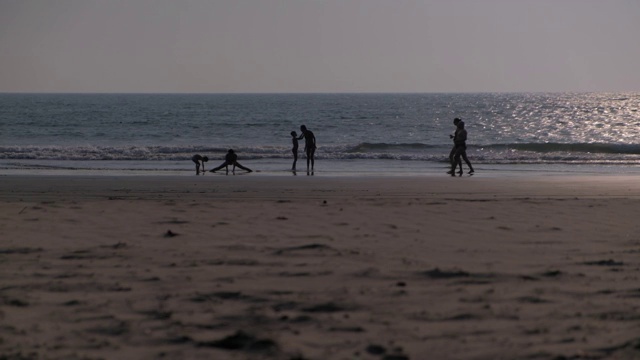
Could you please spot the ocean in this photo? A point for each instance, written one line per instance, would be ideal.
(361, 134)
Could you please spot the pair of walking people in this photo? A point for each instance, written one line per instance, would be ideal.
(459, 149)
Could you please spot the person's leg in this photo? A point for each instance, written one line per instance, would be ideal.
(466, 160)
(295, 159)
(454, 164)
(452, 154)
(219, 167)
(308, 158)
(313, 157)
(452, 161)
(242, 167)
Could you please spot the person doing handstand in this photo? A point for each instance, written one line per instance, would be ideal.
(231, 159)
(309, 145)
(197, 159)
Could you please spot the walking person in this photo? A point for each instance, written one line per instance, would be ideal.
(453, 149)
(294, 150)
(460, 142)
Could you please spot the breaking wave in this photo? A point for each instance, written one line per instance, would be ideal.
(530, 153)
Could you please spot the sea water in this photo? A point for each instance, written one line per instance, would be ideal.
(381, 134)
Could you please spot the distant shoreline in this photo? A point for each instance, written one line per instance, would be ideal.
(421, 171)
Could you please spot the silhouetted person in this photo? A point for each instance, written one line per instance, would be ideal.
(197, 159)
(294, 150)
(231, 159)
(453, 149)
(309, 145)
(461, 150)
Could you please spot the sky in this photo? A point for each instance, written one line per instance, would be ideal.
(290, 46)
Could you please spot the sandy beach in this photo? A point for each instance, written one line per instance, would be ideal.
(270, 267)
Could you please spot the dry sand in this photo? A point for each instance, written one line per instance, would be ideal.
(260, 267)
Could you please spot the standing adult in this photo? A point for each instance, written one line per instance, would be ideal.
(309, 145)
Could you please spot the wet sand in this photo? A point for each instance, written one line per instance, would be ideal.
(253, 267)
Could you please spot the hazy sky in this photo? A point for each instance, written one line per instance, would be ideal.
(319, 45)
